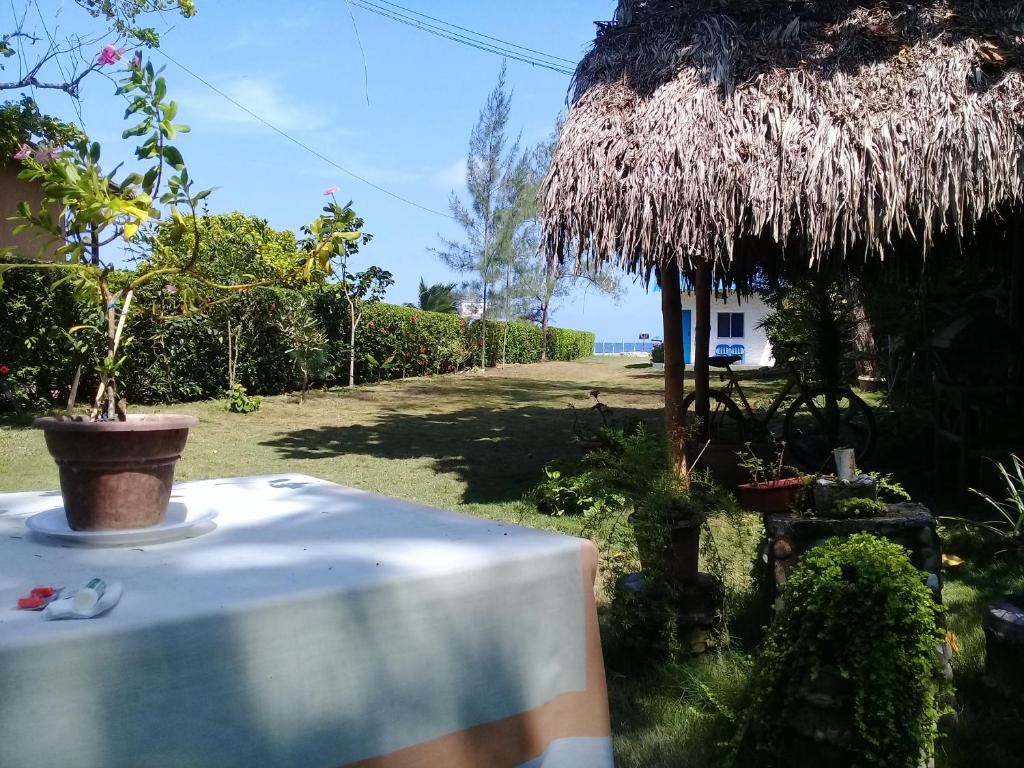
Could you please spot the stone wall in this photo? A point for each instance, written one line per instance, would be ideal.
(910, 525)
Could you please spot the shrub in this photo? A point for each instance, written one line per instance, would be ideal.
(859, 626)
(178, 356)
(859, 508)
(237, 400)
(564, 344)
(658, 353)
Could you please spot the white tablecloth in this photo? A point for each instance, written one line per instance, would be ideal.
(317, 625)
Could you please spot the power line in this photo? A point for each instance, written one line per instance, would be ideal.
(448, 34)
(298, 143)
(505, 43)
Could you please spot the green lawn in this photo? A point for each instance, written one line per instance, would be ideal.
(476, 443)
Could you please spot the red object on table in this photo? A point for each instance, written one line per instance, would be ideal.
(43, 592)
(31, 602)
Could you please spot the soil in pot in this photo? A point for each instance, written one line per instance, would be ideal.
(116, 474)
(771, 496)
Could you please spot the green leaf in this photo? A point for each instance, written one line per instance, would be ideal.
(174, 158)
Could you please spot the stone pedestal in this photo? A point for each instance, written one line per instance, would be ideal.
(828, 490)
(1004, 644)
(698, 604)
(909, 525)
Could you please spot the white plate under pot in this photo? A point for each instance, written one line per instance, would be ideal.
(181, 522)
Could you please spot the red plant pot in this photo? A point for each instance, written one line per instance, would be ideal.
(771, 496)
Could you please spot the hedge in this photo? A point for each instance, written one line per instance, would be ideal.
(178, 357)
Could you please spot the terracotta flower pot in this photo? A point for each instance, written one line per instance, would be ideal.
(771, 496)
(116, 474)
(671, 548)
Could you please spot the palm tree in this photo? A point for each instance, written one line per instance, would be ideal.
(439, 297)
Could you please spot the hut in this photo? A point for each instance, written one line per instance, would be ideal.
(726, 139)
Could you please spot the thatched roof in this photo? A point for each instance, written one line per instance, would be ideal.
(736, 131)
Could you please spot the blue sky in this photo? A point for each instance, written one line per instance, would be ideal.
(406, 128)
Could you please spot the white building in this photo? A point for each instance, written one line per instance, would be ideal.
(470, 309)
(735, 329)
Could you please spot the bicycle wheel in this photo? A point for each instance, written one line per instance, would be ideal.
(821, 421)
(726, 424)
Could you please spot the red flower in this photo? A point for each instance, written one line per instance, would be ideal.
(4, 370)
(422, 349)
(413, 318)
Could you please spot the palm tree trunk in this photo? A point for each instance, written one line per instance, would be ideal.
(672, 323)
(701, 344)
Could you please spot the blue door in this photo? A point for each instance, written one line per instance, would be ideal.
(688, 336)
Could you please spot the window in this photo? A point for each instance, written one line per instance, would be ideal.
(730, 325)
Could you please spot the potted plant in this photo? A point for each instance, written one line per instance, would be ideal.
(658, 356)
(115, 470)
(768, 490)
(667, 524)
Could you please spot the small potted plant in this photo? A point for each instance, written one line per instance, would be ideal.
(769, 490)
(115, 470)
(658, 356)
(667, 524)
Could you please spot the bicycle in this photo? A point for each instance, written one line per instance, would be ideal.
(818, 420)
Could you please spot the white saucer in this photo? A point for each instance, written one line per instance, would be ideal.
(178, 524)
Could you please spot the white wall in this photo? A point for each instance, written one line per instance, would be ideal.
(758, 350)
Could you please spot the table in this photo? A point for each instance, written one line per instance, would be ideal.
(317, 625)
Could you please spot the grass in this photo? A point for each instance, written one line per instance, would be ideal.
(476, 443)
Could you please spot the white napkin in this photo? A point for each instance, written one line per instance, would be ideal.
(64, 608)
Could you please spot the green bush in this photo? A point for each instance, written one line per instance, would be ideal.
(33, 344)
(564, 344)
(176, 356)
(860, 626)
(859, 508)
(237, 400)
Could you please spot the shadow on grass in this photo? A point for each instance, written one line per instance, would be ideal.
(18, 422)
(498, 454)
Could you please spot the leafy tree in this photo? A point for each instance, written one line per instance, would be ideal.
(233, 248)
(306, 343)
(21, 122)
(540, 284)
(494, 169)
(61, 63)
(440, 297)
(332, 239)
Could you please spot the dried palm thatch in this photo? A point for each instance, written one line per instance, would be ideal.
(738, 132)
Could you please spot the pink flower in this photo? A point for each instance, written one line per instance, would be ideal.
(109, 55)
(136, 61)
(170, 288)
(47, 154)
(4, 370)
(23, 151)
(331, 190)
